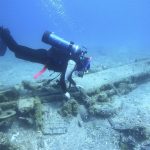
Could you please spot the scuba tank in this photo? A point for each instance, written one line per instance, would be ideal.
(59, 43)
(70, 49)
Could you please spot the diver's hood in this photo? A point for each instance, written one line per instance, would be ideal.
(83, 66)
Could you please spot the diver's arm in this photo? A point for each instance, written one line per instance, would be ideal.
(69, 72)
(63, 85)
(67, 76)
(71, 81)
(62, 82)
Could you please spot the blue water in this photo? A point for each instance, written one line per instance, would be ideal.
(114, 31)
(107, 26)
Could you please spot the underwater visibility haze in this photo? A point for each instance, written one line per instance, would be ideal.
(100, 25)
(108, 108)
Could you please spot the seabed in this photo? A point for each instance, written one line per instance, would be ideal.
(109, 111)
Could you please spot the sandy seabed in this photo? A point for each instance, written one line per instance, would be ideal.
(96, 134)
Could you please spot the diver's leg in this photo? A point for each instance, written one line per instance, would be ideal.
(7, 38)
(33, 55)
(22, 52)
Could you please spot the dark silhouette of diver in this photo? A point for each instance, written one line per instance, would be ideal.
(56, 58)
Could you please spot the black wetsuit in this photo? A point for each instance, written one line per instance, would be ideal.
(53, 58)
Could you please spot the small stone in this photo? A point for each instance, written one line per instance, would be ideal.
(102, 97)
(111, 92)
(29, 86)
(123, 88)
(17, 87)
(106, 109)
(83, 113)
(79, 123)
(106, 87)
(132, 86)
(26, 120)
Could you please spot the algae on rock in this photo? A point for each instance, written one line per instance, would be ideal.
(26, 105)
(105, 109)
(10, 94)
(8, 105)
(103, 97)
(70, 108)
(31, 109)
(29, 86)
(38, 114)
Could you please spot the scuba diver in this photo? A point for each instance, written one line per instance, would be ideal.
(56, 58)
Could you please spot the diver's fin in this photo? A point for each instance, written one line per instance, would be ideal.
(3, 47)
